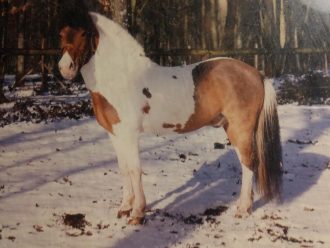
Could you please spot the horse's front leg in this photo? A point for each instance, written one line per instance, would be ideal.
(128, 194)
(127, 150)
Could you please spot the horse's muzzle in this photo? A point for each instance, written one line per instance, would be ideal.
(67, 67)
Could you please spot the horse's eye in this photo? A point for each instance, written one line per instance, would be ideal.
(83, 34)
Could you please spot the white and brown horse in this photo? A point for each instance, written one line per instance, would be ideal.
(131, 94)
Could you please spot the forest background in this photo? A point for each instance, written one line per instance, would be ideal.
(276, 36)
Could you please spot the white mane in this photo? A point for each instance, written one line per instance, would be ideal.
(118, 35)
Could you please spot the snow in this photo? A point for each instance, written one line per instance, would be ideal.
(69, 167)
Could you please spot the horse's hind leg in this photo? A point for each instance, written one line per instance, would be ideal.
(244, 207)
(241, 137)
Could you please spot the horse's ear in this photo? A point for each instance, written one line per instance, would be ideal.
(95, 42)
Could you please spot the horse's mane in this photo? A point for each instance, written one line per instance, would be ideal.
(119, 35)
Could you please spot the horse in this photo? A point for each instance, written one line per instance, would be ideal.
(131, 94)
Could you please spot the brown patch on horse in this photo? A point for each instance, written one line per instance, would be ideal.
(207, 97)
(177, 126)
(168, 125)
(81, 44)
(202, 70)
(106, 114)
(146, 92)
(233, 90)
(146, 108)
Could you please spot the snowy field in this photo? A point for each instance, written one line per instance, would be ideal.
(48, 171)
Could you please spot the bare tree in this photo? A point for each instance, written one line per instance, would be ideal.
(230, 26)
(3, 34)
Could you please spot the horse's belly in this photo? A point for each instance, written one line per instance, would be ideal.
(168, 117)
(171, 100)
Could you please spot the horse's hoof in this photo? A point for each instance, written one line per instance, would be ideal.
(239, 215)
(242, 214)
(125, 213)
(136, 221)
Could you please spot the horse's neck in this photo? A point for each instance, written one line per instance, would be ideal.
(118, 49)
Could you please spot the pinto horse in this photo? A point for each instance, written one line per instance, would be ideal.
(131, 94)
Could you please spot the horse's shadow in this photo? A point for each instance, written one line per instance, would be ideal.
(213, 185)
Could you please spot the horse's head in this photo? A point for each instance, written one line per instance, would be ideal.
(78, 40)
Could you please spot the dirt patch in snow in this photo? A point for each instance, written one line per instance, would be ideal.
(44, 111)
(215, 211)
(77, 221)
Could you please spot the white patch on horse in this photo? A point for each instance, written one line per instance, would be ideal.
(67, 66)
(172, 99)
(244, 207)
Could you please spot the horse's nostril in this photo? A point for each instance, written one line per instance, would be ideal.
(71, 65)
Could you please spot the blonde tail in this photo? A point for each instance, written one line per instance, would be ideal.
(268, 149)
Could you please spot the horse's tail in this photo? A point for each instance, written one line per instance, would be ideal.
(268, 151)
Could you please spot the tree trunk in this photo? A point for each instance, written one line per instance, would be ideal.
(269, 34)
(202, 24)
(231, 22)
(43, 34)
(3, 34)
(20, 42)
(20, 45)
(130, 16)
(3, 99)
(223, 5)
(196, 22)
(44, 82)
(118, 8)
(217, 23)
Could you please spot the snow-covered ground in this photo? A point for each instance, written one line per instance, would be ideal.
(69, 167)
